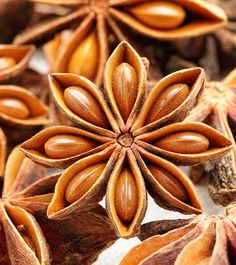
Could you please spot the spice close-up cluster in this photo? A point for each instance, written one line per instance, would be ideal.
(117, 132)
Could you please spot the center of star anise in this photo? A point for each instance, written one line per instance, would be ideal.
(125, 139)
(99, 6)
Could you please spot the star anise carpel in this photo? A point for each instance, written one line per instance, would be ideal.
(92, 21)
(28, 237)
(217, 108)
(125, 140)
(203, 240)
(19, 107)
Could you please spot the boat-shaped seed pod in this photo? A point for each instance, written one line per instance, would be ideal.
(86, 51)
(13, 60)
(20, 109)
(61, 146)
(203, 240)
(128, 162)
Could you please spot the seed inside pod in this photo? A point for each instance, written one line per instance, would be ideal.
(169, 182)
(159, 14)
(84, 60)
(125, 88)
(171, 98)
(83, 181)
(83, 103)
(14, 108)
(6, 63)
(65, 145)
(184, 143)
(126, 196)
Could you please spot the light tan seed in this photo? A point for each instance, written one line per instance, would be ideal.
(169, 182)
(6, 63)
(66, 145)
(125, 88)
(126, 196)
(83, 103)
(184, 143)
(83, 181)
(159, 14)
(84, 60)
(14, 108)
(170, 99)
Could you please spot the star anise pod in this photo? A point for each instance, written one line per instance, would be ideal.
(21, 113)
(217, 108)
(216, 52)
(87, 50)
(201, 240)
(126, 137)
(28, 237)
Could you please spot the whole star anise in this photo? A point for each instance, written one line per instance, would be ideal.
(126, 134)
(217, 108)
(87, 50)
(201, 240)
(25, 195)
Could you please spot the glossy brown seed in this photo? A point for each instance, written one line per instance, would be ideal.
(169, 182)
(83, 181)
(65, 145)
(125, 88)
(84, 60)
(126, 196)
(159, 14)
(6, 63)
(14, 108)
(184, 143)
(82, 103)
(170, 99)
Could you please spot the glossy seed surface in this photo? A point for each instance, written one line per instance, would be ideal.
(83, 181)
(170, 99)
(83, 103)
(159, 14)
(6, 63)
(84, 60)
(126, 196)
(14, 108)
(66, 145)
(169, 182)
(184, 143)
(125, 88)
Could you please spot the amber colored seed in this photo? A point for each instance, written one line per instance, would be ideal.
(125, 88)
(184, 142)
(126, 196)
(159, 14)
(6, 63)
(83, 181)
(83, 103)
(14, 108)
(170, 99)
(169, 182)
(84, 60)
(65, 145)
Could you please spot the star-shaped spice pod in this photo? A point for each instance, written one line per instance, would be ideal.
(126, 134)
(217, 108)
(28, 237)
(21, 113)
(89, 44)
(202, 240)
